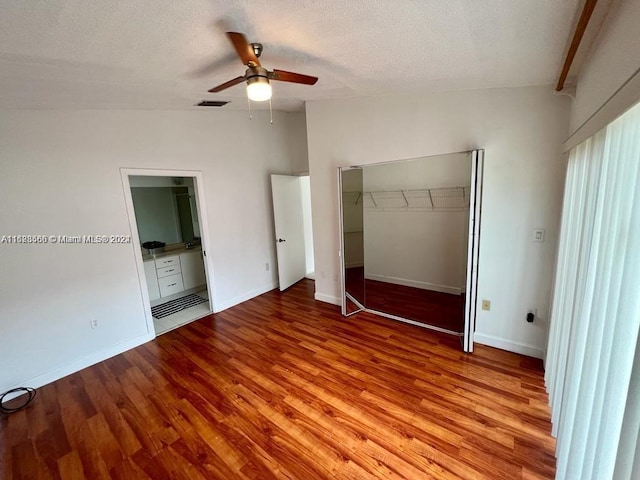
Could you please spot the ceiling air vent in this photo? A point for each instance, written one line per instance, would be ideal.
(211, 103)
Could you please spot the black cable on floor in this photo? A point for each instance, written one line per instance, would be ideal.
(28, 391)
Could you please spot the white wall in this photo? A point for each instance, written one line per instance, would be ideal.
(296, 147)
(59, 174)
(417, 247)
(521, 131)
(613, 59)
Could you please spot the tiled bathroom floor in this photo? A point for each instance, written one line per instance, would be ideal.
(166, 324)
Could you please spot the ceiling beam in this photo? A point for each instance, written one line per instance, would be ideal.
(581, 26)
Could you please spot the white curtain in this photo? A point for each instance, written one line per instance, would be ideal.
(595, 317)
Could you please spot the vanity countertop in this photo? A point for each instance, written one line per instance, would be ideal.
(170, 250)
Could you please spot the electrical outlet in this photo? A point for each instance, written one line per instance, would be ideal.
(94, 323)
(266, 266)
(486, 305)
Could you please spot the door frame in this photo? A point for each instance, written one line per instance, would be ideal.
(201, 204)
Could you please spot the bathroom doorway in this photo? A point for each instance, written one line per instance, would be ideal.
(167, 219)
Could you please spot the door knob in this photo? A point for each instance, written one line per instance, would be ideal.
(280, 240)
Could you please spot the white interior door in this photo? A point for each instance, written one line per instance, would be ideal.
(289, 225)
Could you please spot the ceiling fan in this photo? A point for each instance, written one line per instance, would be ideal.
(256, 76)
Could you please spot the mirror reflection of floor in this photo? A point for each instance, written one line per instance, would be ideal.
(439, 309)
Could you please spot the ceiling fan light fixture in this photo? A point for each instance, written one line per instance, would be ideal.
(258, 88)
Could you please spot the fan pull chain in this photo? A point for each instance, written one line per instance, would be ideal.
(249, 104)
(270, 111)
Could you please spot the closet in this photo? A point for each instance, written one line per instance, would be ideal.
(409, 240)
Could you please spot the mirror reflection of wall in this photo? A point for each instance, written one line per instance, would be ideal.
(415, 224)
(165, 209)
(353, 238)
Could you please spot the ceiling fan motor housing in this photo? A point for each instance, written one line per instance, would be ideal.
(253, 74)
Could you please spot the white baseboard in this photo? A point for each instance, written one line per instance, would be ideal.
(84, 362)
(321, 297)
(244, 297)
(509, 345)
(310, 275)
(414, 283)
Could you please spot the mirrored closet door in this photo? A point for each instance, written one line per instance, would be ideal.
(409, 234)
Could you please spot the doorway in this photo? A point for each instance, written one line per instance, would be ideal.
(409, 234)
(167, 218)
(293, 230)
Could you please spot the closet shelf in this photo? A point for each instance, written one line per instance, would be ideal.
(428, 199)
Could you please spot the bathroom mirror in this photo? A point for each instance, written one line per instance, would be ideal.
(165, 208)
(409, 240)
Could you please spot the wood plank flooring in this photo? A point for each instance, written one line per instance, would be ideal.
(284, 387)
(439, 309)
(442, 310)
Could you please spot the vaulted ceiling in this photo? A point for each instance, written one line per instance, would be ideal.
(166, 54)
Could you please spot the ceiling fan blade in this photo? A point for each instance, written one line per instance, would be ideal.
(292, 77)
(228, 84)
(244, 49)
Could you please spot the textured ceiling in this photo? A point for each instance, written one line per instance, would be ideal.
(165, 54)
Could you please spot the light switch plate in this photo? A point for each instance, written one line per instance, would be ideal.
(538, 235)
(486, 305)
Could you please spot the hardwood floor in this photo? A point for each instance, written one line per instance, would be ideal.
(282, 386)
(442, 310)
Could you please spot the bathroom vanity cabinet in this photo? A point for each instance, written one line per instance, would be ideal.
(173, 273)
